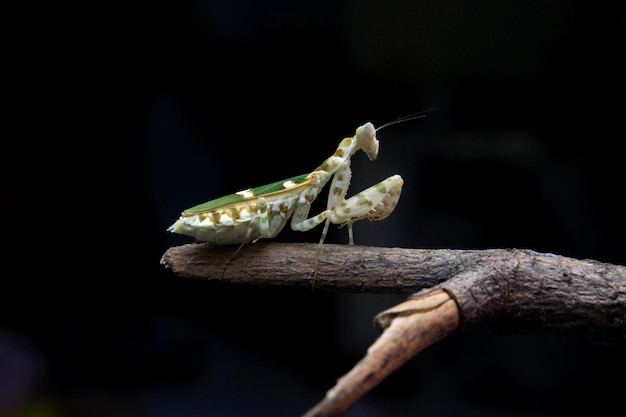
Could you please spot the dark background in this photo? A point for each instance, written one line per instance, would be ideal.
(124, 115)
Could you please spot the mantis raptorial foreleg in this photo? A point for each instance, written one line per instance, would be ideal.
(339, 188)
(374, 203)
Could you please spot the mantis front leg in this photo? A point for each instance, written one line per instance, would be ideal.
(336, 197)
(374, 203)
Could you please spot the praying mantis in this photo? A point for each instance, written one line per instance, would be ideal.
(262, 212)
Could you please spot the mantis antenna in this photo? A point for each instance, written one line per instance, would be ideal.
(413, 116)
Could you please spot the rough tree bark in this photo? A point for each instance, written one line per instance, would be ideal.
(514, 290)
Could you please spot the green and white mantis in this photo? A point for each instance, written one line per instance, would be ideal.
(262, 212)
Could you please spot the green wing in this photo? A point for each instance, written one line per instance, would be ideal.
(250, 194)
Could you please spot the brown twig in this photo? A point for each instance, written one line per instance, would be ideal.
(518, 289)
(341, 267)
(514, 290)
(407, 328)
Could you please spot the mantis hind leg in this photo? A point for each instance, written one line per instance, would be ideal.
(264, 228)
(230, 258)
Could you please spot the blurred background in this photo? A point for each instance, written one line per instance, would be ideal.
(127, 114)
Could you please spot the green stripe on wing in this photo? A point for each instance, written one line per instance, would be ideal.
(247, 195)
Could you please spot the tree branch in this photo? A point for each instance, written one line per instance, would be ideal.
(407, 328)
(340, 268)
(512, 290)
(516, 289)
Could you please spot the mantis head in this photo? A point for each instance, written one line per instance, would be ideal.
(366, 139)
